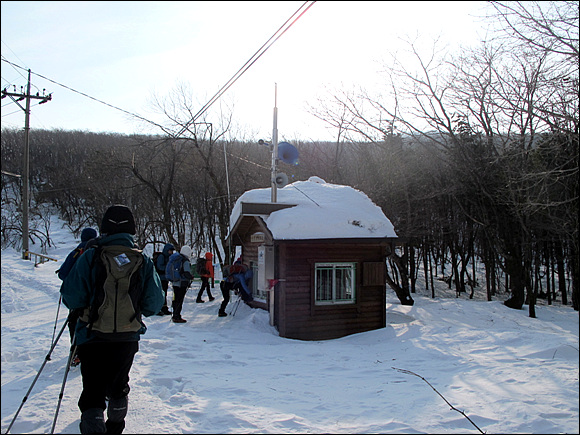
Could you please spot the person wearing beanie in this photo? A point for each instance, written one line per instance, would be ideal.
(205, 276)
(181, 282)
(160, 265)
(86, 235)
(106, 353)
(118, 219)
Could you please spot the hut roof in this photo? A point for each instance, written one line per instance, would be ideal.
(315, 209)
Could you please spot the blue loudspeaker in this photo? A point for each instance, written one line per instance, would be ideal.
(287, 153)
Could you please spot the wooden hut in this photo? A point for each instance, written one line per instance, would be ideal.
(318, 255)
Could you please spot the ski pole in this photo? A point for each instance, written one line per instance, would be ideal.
(237, 304)
(46, 359)
(71, 356)
(234, 306)
(56, 320)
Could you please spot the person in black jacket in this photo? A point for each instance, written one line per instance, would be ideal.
(162, 260)
(86, 235)
(107, 343)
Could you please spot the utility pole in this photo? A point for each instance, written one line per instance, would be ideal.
(26, 164)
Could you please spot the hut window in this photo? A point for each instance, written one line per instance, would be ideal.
(335, 283)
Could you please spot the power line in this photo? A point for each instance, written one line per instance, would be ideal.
(86, 95)
(248, 63)
(283, 29)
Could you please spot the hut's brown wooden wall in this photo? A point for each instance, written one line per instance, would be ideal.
(297, 315)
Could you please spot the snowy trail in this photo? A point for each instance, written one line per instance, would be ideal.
(509, 373)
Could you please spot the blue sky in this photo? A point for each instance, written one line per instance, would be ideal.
(127, 54)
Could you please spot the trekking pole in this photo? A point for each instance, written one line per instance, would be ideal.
(56, 320)
(71, 356)
(236, 305)
(46, 359)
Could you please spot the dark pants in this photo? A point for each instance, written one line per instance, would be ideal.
(225, 287)
(165, 286)
(178, 298)
(105, 370)
(204, 286)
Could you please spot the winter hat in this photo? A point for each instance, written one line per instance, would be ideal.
(88, 234)
(185, 250)
(208, 255)
(118, 219)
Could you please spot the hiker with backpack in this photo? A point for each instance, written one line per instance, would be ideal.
(226, 287)
(241, 274)
(227, 284)
(235, 277)
(86, 235)
(113, 284)
(178, 271)
(204, 268)
(160, 259)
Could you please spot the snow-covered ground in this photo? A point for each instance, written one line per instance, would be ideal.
(505, 371)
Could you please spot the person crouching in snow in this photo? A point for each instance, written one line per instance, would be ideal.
(242, 274)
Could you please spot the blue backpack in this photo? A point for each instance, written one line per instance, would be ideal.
(174, 268)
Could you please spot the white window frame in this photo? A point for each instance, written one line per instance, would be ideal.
(331, 271)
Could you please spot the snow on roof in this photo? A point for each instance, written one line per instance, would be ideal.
(322, 211)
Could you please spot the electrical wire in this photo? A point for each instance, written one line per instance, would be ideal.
(248, 64)
(283, 29)
(86, 95)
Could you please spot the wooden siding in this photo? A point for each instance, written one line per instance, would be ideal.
(374, 273)
(299, 317)
(295, 313)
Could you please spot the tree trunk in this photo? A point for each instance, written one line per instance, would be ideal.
(517, 277)
(402, 291)
(561, 271)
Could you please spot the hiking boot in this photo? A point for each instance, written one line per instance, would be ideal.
(92, 421)
(200, 301)
(164, 311)
(211, 298)
(180, 320)
(222, 314)
(116, 413)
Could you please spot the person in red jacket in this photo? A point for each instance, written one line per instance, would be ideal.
(205, 276)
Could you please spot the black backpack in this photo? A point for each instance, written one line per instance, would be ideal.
(160, 270)
(200, 266)
(118, 290)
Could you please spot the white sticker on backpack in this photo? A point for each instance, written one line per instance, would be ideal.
(121, 260)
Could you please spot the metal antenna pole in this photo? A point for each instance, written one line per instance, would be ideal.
(275, 145)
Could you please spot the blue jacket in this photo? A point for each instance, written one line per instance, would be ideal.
(86, 235)
(77, 289)
(163, 259)
(185, 275)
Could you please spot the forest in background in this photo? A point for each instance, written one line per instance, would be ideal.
(472, 156)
